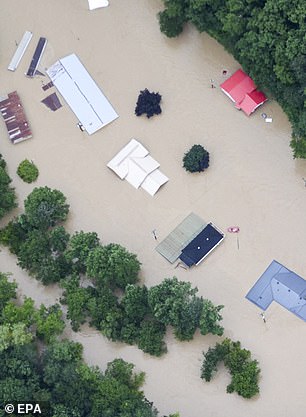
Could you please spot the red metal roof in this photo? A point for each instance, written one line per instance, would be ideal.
(14, 117)
(240, 88)
(252, 101)
(238, 85)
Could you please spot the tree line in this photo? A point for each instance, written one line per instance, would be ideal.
(37, 366)
(267, 37)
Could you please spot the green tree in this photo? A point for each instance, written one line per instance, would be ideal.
(63, 375)
(45, 207)
(27, 171)
(58, 238)
(123, 372)
(298, 143)
(14, 234)
(24, 313)
(119, 395)
(7, 193)
(151, 337)
(196, 159)
(245, 382)
(174, 303)
(172, 19)
(76, 298)
(7, 290)
(33, 251)
(105, 312)
(209, 319)
(112, 265)
(41, 254)
(80, 245)
(244, 371)
(212, 358)
(14, 335)
(135, 303)
(49, 322)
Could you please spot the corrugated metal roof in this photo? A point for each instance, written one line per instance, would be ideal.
(171, 247)
(81, 93)
(240, 88)
(15, 119)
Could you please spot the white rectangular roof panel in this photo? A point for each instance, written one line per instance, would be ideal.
(134, 164)
(154, 181)
(120, 163)
(81, 93)
(23, 44)
(96, 4)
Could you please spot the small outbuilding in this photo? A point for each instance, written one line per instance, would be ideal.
(280, 284)
(14, 117)
(240, 88)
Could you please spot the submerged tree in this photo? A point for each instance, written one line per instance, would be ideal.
(27, 171)
(112, 265)
(244, 371)
(196, 159)
(45, 207)
(79, 247)
(148, 103)
(7, 193)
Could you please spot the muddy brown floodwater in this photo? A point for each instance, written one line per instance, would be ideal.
(252, 182)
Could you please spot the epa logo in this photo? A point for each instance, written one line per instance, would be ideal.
(36, 409)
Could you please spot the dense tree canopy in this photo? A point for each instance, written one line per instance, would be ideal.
(7, 193)
(148, 103)
(244, 371)
(27, 171)
(54, 371)
(196, 159)
(112, 265)
(268, 38)
(80, 245)
(45, 207)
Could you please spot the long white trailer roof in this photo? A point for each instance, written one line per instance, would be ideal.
(81, 93)
(23, 44)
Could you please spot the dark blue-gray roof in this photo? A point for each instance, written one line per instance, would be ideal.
(201, 245)
(281, 285)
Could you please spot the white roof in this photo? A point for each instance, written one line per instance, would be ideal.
(23, 44)
(81, 93)
(154, 181)
(134, 164)
(96, 4)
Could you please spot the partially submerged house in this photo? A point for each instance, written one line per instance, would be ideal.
(280, 284)
(82, 94)
(13, 114)
(191, 241)
(240, 88)
(134, 164)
